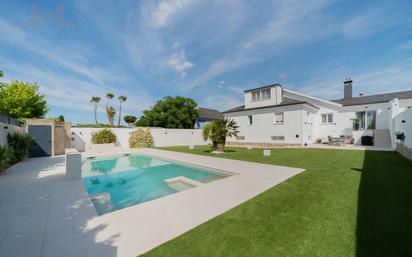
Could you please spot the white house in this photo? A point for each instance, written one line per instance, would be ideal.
(272, 115)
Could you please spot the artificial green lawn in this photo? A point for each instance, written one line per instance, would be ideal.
(346, 203)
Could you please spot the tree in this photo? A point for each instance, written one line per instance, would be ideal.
(109, 96)
(178, 112)
(56, 118)
(121, 99)
(111, 113)
(1, 75)
(129, 119)
(217, 132)
(22, 100)
(96, 101)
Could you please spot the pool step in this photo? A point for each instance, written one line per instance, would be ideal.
(182, 183)
(103, 203)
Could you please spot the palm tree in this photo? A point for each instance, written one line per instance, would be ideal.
(109, 96)
(230, 129)
(96, 101)
(121, 99)
(111, 112)
(218, 130)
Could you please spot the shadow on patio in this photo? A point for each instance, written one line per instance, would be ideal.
(384, 221)
(43, 214)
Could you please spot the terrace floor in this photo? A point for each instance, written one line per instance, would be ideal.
(42, 214)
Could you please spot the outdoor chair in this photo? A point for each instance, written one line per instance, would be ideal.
(331, 140)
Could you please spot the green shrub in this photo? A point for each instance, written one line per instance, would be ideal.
(104, 136)
(140, 138)
(19, 144)
(6, 156)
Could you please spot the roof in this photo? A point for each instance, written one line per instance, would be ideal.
(268, 86)
(371, 99)
(286, 101)
(209, 114)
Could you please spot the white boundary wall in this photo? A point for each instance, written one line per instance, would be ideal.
(7, 128)
(161, 137)
(403, 123)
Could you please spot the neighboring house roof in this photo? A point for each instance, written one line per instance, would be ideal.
(371, 99)
(268, 86)
(285, 102)
(209, 114)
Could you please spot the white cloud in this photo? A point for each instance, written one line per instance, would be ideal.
(405, 45)
(222, 102)
(165, 10)
(372, 21)
(290, 23)
(179, 62)
(66, 91)
(71, 57)
(363, 24)
(328, 84)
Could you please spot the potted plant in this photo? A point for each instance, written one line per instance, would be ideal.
(401, 137)
(355, 122)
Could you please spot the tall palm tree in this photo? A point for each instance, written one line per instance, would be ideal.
(111, 112)
(109, 96)
(96, 101)
(121, 99)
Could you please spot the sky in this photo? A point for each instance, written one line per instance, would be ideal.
(208, 50)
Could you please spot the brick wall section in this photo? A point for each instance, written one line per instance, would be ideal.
(405, 151)
(259, 145)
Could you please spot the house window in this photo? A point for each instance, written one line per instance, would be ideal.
(256, 96)
(263, 94)
(327, 118)
(266, 94)
(371, 119)
(365, 120)
(250, 119)
(279, 118)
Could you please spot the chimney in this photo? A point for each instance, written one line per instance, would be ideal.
(347, 89)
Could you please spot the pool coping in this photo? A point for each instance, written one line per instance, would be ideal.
(175, 214)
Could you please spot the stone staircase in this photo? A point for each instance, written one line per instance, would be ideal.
(382, 138)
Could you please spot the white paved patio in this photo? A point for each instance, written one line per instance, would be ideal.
(42, 214)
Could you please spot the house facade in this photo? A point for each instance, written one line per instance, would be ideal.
(273, 115)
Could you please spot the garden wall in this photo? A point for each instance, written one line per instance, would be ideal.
(403, 123)
(7, 128)
(161, 137)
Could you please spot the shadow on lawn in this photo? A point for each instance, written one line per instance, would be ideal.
(384, 222)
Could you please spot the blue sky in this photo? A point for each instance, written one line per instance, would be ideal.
(207, 50)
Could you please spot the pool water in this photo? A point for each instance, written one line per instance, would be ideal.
(118, 182)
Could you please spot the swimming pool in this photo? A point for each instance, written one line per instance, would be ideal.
(117, 182)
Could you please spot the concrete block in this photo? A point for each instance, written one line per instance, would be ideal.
(267, 152)
(73, 164)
